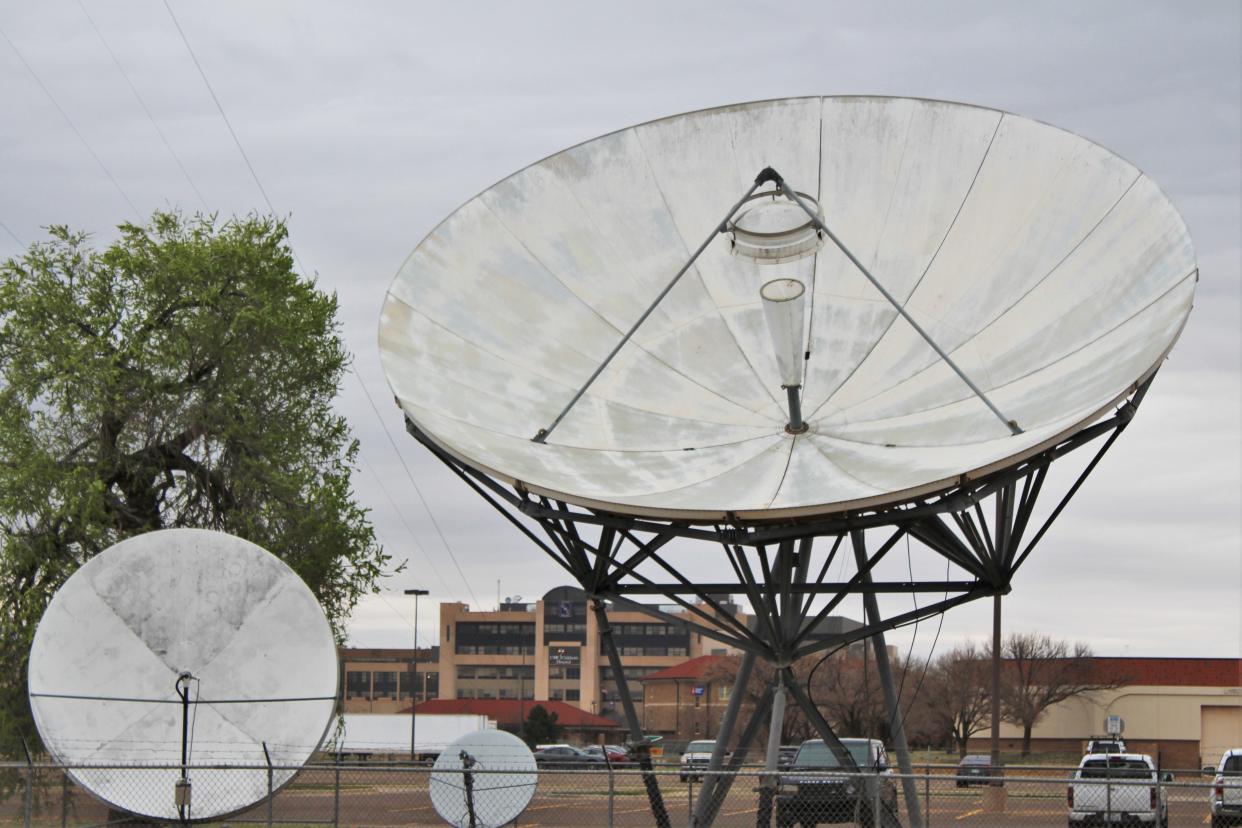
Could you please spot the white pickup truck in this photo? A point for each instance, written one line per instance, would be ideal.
(1110, 788)
(1227, 790)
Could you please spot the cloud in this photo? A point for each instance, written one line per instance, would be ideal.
(369, 124)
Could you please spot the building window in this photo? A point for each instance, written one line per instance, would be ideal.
(358, 685)
(404, 684)
(725, 690)
(572, 695)
(557, 695)
(384, 685)
(494, 649)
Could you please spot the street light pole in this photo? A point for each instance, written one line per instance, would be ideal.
(414, 672)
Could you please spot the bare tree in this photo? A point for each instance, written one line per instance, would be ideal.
(956, 695)
(847, 692)
(845, 689)
(1039, 673)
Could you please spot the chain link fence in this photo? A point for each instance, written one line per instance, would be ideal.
(354, 794)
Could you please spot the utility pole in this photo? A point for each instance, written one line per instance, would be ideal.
(996, 680)
(414, 672)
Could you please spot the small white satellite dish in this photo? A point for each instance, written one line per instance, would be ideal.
(483, 779)
(182, 647)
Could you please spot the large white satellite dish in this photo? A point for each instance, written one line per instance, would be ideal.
(483, 779)
(115, 644)
(1055, 274)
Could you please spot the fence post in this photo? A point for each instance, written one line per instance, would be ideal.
(28, 797)
(1159, 794)
(926, 797)
(875, 800)
(336, 796)
(1108, 793)
(690, 799)
(267, 756)
(64, 798)
(612, 788)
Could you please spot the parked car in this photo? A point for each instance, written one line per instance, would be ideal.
(810, 793)
(976, 770)
(695, 758)
(1108, 745)
(612, 754)
(1118, 788)
(560, 757)
(1226, 802)
(786, 756)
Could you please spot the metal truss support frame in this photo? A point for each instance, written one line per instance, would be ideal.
(978, 526)
(892, 703)
(708, 803)
(640, 745)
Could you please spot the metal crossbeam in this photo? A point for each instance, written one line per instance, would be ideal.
(808, 588)
(542, 435)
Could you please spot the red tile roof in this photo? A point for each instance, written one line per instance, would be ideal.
(509, 712)
(695, 668)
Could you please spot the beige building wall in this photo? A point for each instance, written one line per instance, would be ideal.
(1220, 730)
(592, 656)
(1165, 713)
(450, 615)
(378, 681)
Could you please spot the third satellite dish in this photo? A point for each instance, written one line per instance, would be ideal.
(1009, 282)
(178, 648)
(483, 780)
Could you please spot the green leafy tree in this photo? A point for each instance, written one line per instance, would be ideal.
(184, 376)
(540, 727)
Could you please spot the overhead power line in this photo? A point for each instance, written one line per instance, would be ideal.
(229, 124)
(13, 235)
(70, 122)
(401, 514)
(444, 540)
(220, 109)
(253, 174)
(142, 103)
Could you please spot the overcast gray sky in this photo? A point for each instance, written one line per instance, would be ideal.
(369, 122)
